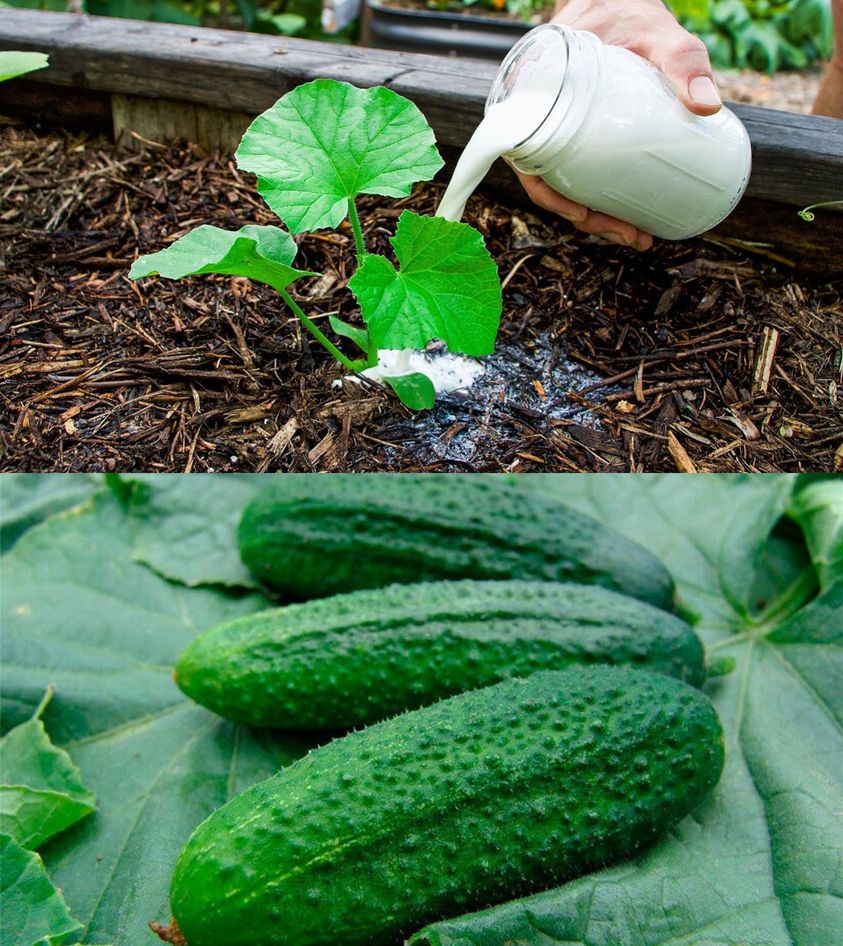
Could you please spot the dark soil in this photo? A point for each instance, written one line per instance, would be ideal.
(693, 356)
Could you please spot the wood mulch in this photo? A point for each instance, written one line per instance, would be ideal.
(694, 356)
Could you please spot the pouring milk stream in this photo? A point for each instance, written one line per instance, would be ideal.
(603, 127)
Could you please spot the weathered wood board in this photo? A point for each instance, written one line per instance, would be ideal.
(798, 159)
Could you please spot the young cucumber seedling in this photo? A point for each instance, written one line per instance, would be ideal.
(314, 152)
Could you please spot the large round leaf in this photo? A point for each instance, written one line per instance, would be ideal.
(326, 142)
(447, 287)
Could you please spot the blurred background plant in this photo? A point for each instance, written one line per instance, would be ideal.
(765, 35)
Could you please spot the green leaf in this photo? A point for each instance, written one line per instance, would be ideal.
(157, 11)
(14, 64)
(759, 863)
(720, 50)
(78, 611)
(188, 533)
(285, 24)
(415, 390)
(447, 287)
(761, 46)
(260, 253)
(359, 336)
(41, 792)
(27, 498)
(685, 9)
(33, 911)
(818, 508)
(326, 142)
(732, 15)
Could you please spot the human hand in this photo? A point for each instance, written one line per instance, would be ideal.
(648, 28)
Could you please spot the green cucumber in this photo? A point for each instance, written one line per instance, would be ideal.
(356, 658)
(326, 535)
(474, 800)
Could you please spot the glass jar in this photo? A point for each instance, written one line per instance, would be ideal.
(615, 137)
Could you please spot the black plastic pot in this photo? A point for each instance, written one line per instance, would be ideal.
(441, 33)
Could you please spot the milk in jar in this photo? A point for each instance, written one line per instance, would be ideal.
(604, 127)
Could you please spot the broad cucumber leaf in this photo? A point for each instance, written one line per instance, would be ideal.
(33, 911)
(41, 791)
(186, 529)
(446, 287)
(758, 864)
(732, 15)
(77, 611)
(415, 390)
(818, 508)
(14, 64)
(260, 253)
(27, 498)
(326, 142)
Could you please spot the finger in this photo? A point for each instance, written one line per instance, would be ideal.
(542, 194)
(588, 221)
(615, 231)
(683, 58)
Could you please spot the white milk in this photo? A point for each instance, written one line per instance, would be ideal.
(603, 127)
(505, 126)
(447, 371)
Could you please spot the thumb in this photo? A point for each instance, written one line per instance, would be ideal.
(684, 60)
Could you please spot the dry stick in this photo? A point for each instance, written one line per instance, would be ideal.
(764, 364)
(683, 461)
(169, 934)
(659, 389)
(653, 361)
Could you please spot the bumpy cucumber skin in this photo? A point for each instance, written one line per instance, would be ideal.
(354, 659)
(489, 795)
(329, 535)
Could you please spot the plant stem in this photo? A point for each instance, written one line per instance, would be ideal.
(44, 701)
(316, 333)
(806, 214)
(358, 232)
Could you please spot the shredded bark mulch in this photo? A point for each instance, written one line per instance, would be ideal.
(693, 356)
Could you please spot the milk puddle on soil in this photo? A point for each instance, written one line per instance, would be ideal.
(505, 126)
(524, 390)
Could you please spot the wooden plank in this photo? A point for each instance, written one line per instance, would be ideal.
(162, 121)
(798, 159)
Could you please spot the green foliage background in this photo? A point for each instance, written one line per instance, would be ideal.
(104, 580)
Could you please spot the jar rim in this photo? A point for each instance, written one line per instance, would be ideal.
(551, 81)
(570, 83)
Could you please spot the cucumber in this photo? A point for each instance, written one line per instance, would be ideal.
(356, 658)
(326, 535)
(477, 799)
